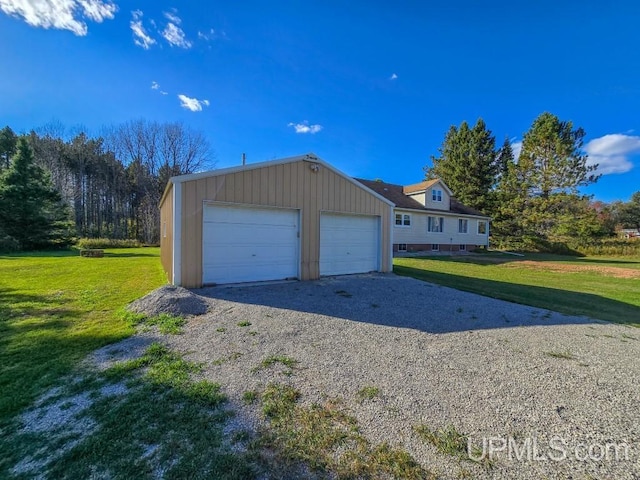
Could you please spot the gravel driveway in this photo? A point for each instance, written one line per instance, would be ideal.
(439, 357)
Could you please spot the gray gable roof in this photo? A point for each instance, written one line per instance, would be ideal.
(396, 194)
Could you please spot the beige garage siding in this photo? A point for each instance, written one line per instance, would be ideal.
(289, 185)
(166, 233)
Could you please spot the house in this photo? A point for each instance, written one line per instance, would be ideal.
(428, 218)
(297, 218)
(629, 233)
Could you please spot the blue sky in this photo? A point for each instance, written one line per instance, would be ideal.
(370, 87)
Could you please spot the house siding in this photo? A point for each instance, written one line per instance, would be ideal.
(287, 185)
(417, 233)
(445, 204)
(166, 233)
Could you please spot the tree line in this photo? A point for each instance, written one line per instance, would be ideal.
(534, 198)
(107, 186)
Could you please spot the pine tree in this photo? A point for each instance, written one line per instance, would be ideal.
(538, 194)
(8, 144)
(551, 151)
(467, 164)
(31, 212)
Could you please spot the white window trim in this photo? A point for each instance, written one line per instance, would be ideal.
(486, 227)
(441, 222)
(466, 220)
(462, 247)
(433, 194)
(400, 249)
(402, 218)
(437, 245)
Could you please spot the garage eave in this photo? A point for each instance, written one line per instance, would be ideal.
(309, 157)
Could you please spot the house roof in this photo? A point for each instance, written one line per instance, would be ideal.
(423, 186)
(310, 157)
(398, 195)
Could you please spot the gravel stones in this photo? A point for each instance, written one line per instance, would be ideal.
(172, 300)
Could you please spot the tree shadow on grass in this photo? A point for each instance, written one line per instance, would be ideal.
(396, 301)
(499, 259)
(14, 304)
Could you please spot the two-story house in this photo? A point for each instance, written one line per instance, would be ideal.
(428, 218)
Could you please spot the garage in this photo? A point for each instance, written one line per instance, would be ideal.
(291, 218)
(348, 243)
(249, 243)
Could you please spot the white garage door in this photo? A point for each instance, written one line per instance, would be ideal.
(247, 244)
(349, 244)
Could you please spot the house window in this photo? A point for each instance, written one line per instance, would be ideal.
(436, 195)
(482, 227)
(435, 224)
(435, 247)
(402, 247)
(462, 247)
(403, 220)
(463, 225)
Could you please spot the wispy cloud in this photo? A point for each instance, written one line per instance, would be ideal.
(60, 14)
(611, 152)
(192, 104)
(172, 33)
(173, 17)
(304, 127)
(393, 76)
(140, 35)
(210, 35)
(156, 86)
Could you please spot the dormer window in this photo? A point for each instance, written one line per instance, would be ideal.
(436, 195)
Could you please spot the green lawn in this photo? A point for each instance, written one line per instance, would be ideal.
(603, 288)
(56, 307)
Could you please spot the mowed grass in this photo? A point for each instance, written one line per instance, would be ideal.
(56, 307)
(602, 288)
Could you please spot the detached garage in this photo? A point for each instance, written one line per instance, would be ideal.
(294, 218)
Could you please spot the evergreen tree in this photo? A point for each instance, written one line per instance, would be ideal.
(467, 164)
(8, 144)
(31, 212)
(538, 194)
(552, 154)
(630, 212)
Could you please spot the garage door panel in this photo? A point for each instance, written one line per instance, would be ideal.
(349, 244)
(244, 244)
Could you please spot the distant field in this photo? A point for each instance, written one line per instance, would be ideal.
(599, 287)
(56, 307)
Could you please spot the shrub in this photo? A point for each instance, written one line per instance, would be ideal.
(108, 243)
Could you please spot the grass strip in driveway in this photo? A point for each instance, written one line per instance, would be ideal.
(314, 435)
(588, 292)
(144, 418)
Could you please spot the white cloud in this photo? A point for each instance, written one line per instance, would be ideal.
(140, 35)
(304, 127)
(60, 14)
(175, 36)
(155, 86)
(517, 148)
(611, 152)
(210, 35)
(393, 77)
(192, 104)
(172, 17)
